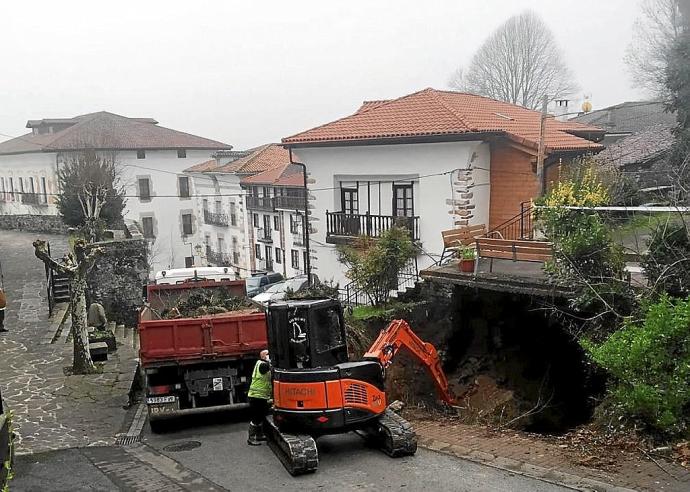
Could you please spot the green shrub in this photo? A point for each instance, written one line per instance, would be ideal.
(667, 263)
(650, 363)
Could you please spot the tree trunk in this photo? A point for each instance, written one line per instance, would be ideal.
(82, 363)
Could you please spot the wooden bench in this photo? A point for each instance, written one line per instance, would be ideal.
(508, 249)
(455, 239)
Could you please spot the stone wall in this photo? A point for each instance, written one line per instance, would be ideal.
(34, 223)
(118, 279)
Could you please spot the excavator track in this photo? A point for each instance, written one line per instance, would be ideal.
(297, 452)
(394, 435)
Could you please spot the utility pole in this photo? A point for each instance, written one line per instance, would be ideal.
(542, 146)
(305, 223)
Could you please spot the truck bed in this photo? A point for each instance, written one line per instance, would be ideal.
(212, 337)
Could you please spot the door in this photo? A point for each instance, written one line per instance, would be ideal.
(349, 223)
(403, 201)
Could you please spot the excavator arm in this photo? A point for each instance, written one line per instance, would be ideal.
(399, 334)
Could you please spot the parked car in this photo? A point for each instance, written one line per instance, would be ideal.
(258, 283)
(277, 292)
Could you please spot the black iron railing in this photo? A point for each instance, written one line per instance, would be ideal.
(516, 228)
(289, 202)
(215, 218)
(353, 225)
(260, 203)
(217, 258)
(352, 295)
(264, 235)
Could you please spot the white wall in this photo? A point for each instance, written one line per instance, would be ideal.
(283, 239)
(34, 165)
(432, 195)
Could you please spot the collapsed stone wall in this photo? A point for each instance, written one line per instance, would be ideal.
(50, 224)
(118, 277)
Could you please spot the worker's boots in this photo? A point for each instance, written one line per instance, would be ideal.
(260, 435)
(254, 435)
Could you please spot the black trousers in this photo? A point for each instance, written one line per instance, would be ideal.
(258, 409)
(2, 318)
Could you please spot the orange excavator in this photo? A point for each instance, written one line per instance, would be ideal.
(317, 390)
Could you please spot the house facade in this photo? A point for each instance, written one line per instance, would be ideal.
(429, 161)
(151, 159)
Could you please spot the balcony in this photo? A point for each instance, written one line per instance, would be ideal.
(298, 239)
(289, 202)
(341, 227)
(215, 218)
(264, 235)
(217, 258)
(264, 203)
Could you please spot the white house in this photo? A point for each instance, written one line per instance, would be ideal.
(152, 159)
(430, 161)
(250, 209)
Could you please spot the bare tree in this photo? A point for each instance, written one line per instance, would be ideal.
(655, 32)
(76, 266)
(519, 63)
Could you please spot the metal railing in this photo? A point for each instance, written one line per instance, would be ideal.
(264, 235)
(260, 203)
(353, 225)
(520, 227)
(289, 202)
(217, 258)
(215, 218)
(352, 295)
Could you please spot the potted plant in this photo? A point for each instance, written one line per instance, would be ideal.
(468, 256)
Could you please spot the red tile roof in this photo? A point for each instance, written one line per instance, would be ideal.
(432, 112)
(105, 130)
(203, 167)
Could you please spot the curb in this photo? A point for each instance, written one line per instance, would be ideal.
(548, 475)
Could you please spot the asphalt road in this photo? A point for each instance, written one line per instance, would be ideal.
(346, 463)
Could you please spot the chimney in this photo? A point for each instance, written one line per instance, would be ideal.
(562, 109)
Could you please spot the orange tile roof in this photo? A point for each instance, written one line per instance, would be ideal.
(260, 159)
(432, 112)
(203, 167)
(284, 175)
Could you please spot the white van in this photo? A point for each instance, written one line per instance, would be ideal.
(182, 275)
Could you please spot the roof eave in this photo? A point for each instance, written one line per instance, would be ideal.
(393, 140)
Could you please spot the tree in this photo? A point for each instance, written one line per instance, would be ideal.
(76, 265)
(374, 264)
(655, 32)
(519, 63)
(91, 197)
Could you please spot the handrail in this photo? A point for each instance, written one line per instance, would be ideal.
(518, 226)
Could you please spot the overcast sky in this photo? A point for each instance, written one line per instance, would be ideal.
(251, 72)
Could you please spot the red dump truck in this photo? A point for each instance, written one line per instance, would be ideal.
(197, 364)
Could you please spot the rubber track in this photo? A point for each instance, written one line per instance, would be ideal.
(297, 452)
(396, 436)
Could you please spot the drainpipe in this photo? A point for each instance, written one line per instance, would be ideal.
(305, 224)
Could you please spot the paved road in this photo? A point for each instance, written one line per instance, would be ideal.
(222, 460)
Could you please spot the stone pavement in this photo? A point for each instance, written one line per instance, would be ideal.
(531, 456)
(52, 410)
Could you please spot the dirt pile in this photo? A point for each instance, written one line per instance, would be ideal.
(203, 302)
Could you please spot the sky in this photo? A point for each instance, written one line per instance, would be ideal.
(252, 72)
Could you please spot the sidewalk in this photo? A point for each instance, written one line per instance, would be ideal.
(521, 453)
(52, 410)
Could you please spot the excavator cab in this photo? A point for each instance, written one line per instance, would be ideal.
(306, 334)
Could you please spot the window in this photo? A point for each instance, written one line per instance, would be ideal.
(32, 189)
(294, 256)
(349, 200)
(219, 206)
(269, 257)
(11, 190)
(189, 261)
(183, 183)
(266, 191)
(256, 220)
(233, 214)
(221, 244)
(403, 204)
(267, 225)
(304, 259)
(294, 224)
(182, 154)
(187, 224)
(205, 204)
(45, 190)
(141, 154)
(235, 258)
(147, 225)
(279, 256)
(257, 251)
(276, 222)
(144, 189)
(2, 189)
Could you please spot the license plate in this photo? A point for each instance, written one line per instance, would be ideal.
(163, 408)
(217, 384)
(152, 400)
